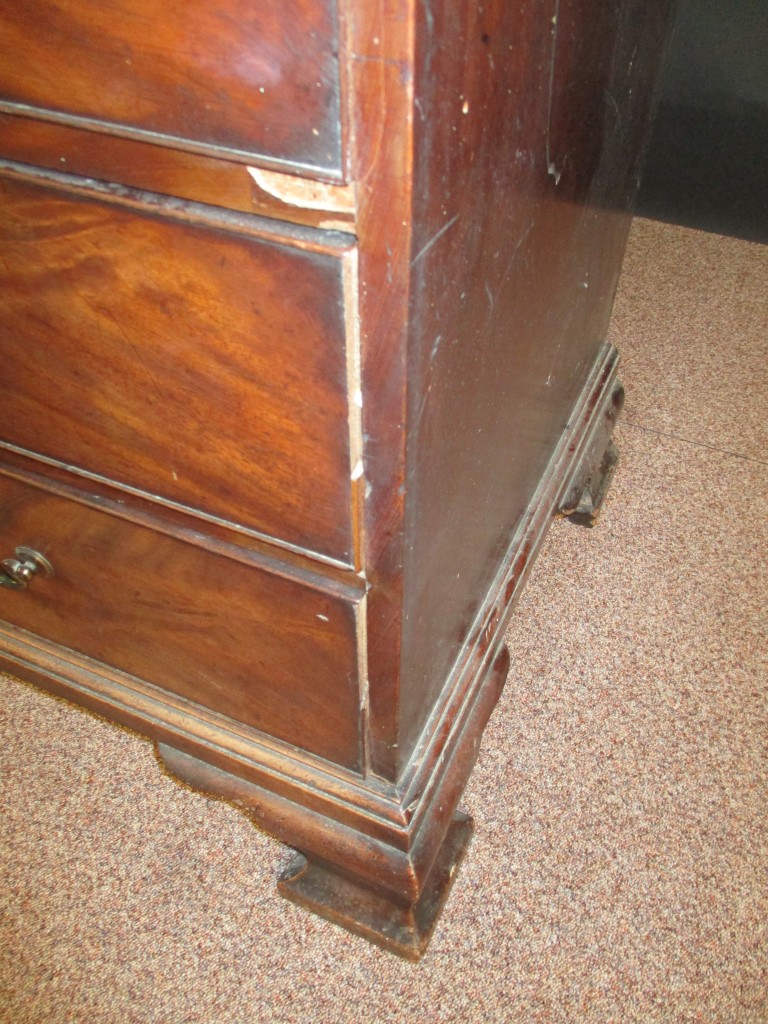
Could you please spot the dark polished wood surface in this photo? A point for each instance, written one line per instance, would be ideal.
(132, 350)
(267, 652)
(528, 136)
(256, 79)
(303, 341)
(162, 169)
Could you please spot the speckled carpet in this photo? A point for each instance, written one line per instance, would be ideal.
(619, 870)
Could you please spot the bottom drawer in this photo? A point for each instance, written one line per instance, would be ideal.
(266, 651)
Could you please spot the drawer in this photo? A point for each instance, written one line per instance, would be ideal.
(196, 365)
(241, 77)
(267, 651)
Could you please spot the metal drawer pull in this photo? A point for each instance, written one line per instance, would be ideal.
(17, 572)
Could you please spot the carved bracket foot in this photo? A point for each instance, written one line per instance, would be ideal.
(588, 484)
(404, 930)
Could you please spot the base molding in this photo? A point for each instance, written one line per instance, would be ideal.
(399, 867)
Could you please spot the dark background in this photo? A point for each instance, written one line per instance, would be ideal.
(707, 163)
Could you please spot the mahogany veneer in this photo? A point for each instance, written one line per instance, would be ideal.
(302, 330)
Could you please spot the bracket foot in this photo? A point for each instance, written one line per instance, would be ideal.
(589, 482)
(401, 929)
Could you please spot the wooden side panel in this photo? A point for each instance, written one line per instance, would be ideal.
(530, 121)
(248, 78)
(265, 651)
(188, 362)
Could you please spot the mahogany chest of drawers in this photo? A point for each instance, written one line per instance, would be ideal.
(302, 309)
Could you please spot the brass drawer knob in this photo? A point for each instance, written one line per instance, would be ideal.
(17, 572)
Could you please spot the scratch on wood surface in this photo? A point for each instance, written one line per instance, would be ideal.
(610, 99)
(425, 249)
(376, 59)
(551, 168)
(429, 16)
(518, 246)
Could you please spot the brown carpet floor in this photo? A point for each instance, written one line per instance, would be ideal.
(619, 870)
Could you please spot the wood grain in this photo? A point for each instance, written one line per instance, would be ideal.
(447, 362)
(247, 78)
(265, 651)
(184, 361)
(153, 168)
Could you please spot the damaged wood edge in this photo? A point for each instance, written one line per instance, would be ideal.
(357, 486)
(290, 191)
(286, 231)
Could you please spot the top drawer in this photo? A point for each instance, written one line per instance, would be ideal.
(236, 77)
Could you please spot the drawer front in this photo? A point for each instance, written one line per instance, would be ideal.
(241, 76)
(266, 651)
(195, 365)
